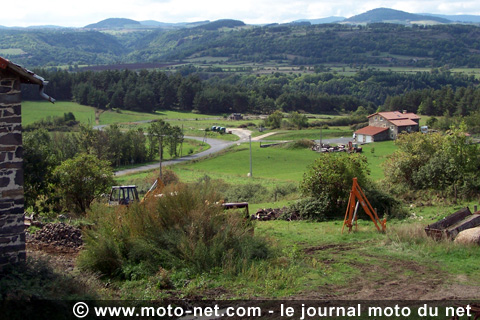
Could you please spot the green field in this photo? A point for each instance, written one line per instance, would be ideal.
(268, 163)
(12, 52)
(311, 134)
(381, 150)
(37, 110)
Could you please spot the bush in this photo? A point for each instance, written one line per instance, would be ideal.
(303, 144)
(281, 191)
(313, 208)
(82, 179)
(183, 230)
(252, 192)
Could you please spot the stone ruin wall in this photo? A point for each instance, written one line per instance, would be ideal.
(12, 231)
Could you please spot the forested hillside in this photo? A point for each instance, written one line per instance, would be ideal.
(431, 93)
(300, 44)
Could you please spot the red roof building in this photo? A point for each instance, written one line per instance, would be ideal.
(387, 126)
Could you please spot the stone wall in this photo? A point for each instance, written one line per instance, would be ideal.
(12, 232)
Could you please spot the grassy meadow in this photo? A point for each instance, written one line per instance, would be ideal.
(33, 111)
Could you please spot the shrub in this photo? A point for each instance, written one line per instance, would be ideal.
(184, 229)
(252, 192)
(313, 208)
(303, 144)
(82, 179)
(280, 191)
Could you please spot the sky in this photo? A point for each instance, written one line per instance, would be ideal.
(25, 13)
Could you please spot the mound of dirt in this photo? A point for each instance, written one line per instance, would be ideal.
(56, 236)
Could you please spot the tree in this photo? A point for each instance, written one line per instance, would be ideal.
(298, 120)
(157, 132)
(448, 163)
(82, 179)
(274, 120)
(38, 164)
(331, 175)
(174, 139)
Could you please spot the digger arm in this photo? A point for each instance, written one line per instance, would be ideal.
(156, 188)
(357, 196)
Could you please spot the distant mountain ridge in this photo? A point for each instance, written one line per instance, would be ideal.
(331, 19)
(379, 15)
(465, 18)
(391, 15)
(113, 23)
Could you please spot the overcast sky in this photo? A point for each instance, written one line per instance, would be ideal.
(80, 13)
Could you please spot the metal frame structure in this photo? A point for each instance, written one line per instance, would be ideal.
(351, 215)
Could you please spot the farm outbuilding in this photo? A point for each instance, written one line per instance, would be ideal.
(371, 134)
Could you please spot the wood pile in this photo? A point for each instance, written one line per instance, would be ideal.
(57, 235)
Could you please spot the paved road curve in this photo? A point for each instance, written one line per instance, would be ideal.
(216, 145)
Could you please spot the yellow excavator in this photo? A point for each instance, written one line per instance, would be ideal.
(351, 215)
(125, 195)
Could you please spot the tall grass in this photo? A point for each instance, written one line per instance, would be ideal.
(184, 229)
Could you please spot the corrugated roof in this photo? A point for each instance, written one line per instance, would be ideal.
(403, 122)
(371, 131)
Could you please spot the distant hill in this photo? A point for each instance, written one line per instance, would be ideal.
(297, 43)
(332, 19)
(113, 23)
(390, 15)
(46, 27)
(158, 24)
(223, 23)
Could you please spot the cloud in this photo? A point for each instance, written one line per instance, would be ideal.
(81, 13)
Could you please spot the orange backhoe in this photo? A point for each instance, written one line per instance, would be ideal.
(351, 215)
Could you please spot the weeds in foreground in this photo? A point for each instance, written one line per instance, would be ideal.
(35, 279)
(183, 230)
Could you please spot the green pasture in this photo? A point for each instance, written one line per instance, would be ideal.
(11, 51)
(377, 153)
(37, 110)
(128, 117)
(311, 134)
(268, 163)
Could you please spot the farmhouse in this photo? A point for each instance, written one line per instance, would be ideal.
(12, 233)
(387, 126)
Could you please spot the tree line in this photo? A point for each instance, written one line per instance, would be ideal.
(433, 93)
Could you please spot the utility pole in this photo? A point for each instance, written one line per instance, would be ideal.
(251, 172)
(160, 153)
(181, 144)
(321, 144)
